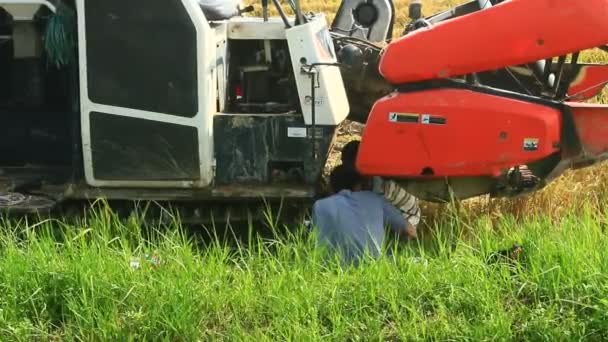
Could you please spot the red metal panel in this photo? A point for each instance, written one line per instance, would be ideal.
(591, 122)
(455, 132)
(510, 33)
(589, 82)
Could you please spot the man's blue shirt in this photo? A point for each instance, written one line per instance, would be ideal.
(354, 222)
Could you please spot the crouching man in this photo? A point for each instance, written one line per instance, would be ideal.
(352, 221)
(399, 197)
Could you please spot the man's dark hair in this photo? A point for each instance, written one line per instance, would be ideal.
(349, 152)
(345, 177)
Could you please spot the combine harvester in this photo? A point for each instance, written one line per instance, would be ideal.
(150, 100)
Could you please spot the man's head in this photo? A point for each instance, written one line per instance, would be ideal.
(349, 152)
(346, 177)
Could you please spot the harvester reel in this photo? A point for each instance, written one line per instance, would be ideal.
(371, 20)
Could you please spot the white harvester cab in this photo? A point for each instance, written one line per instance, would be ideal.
(157, 96)
(167, 68)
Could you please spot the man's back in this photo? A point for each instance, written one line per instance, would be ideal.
(395, 194)
(354, 222)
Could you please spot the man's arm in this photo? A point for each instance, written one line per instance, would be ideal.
(394, 218)
(401, 199)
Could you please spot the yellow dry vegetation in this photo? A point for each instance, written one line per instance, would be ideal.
(329, 7)
(567, 194)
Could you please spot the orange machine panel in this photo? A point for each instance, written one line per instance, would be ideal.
(591, 121)
(589, 82)
(455, 132)
(510, 33)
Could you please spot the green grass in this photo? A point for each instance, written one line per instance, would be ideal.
(76, 283)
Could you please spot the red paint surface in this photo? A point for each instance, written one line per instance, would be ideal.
(483, 134)
(591, 122)
(510, 33)
(590, 81)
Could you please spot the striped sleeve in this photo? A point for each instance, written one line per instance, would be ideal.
(403, 200)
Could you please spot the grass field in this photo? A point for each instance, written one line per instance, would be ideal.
(78, 282)
(90, 280)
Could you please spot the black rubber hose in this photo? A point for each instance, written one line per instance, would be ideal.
(281, 13)
(299, 16)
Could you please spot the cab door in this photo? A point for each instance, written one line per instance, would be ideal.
(146, 114)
